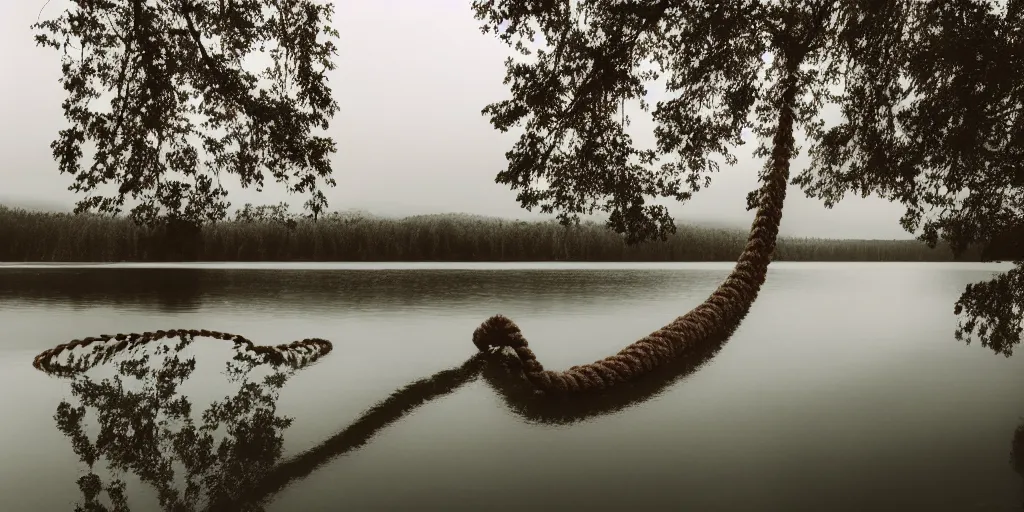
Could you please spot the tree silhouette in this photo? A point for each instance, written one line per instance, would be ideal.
(159, 94)
(929, 92)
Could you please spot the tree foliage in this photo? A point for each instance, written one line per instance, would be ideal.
(934, 121)
(569, 98)
(928, 91)
(161, 97)
(932, 118)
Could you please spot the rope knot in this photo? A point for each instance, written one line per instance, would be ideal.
(498, 331)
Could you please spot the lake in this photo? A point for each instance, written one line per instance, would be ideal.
(843, 389)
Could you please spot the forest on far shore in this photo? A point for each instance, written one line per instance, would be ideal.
(270, 233)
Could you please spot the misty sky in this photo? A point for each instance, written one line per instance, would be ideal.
(412, 78)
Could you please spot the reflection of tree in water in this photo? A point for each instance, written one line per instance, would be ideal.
(150, 431)
(990, 313)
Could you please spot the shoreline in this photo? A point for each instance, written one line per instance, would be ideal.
(34, 237)
(476, 265)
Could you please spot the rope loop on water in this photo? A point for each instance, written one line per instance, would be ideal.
(296, 354)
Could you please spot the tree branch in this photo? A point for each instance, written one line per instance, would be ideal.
(245, 103)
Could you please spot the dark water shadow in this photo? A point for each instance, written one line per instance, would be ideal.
(304, 291)
(163, 290)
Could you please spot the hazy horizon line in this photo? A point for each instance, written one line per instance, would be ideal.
(539, 218)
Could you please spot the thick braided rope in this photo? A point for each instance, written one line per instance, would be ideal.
(296, 354)
(721, 312)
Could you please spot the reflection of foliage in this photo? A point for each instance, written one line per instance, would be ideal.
(149, 431)
(992, 310)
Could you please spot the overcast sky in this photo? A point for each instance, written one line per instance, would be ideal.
(412, 78)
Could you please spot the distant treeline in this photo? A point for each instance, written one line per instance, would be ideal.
(269, 233)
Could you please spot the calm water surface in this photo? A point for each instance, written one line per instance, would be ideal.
(843, 389)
